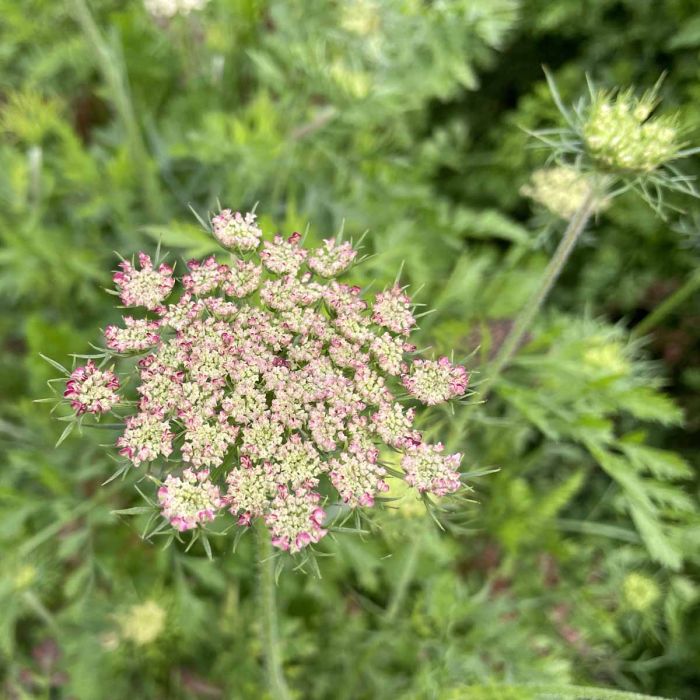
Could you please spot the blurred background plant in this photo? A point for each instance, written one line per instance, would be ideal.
(409, 120)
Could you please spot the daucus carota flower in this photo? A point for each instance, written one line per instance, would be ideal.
(147, 436)
(358, 478)
(295, 519)
(142, 623)
(332, 259)
(283, 257)
(621, 134)
(204, 277)
(640, 592)
(207, 441)
(562, 189)
(146, 286)
(392, 309)
(189, 500)
(167, 9)
(395, 425)
(389, 353)
(136, 336)
(265, 382)
(435, 381)
(235, 230)
(91, 390)
(428, 470)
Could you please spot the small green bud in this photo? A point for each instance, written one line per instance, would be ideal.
(25, 577)
(640, 592)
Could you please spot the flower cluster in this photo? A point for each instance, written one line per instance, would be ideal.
(234, 230)
(562, 189)
(167, 9)
(433, 382)
(142, 623)
(621, 135)
(429, 471)
(91, 390)
(190, 499)
(265, 382)
(145, 287)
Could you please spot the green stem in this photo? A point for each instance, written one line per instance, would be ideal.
(568, 242)
(271, 639)
(114, 75)
(538, 691)
(405, 577)
(692, 284)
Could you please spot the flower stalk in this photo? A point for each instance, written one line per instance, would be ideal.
(576, 226)
(268, 602)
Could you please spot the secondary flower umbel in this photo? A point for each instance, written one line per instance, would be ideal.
(264, 383)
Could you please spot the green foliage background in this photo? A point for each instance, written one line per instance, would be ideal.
(404, 118)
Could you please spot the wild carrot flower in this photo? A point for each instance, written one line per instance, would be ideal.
(621, 134)
(283, 257)
(392, 309)
(562, 189)
(613, 142)
(91, 390)
(429, 471)
(145, 287)
(265, 381)
(234, 230)
(332, 259)
(189, 500)
(433, 382)
(142, 623)
(640, 592)
(167, 9)
(138, 335)
(295, 518)
(147, 436)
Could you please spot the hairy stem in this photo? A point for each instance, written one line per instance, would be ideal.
(522, 323)
(692, 284)
(268, 600)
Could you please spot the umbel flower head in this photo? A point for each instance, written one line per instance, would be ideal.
(142, 623)
(621, 134)
(267, 390)
(167, 9)
(614, 139)
(561, 189)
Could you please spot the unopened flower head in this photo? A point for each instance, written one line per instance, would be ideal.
(264, 381)
(143, 623)
(91, 390)
(640, 592)
(562, 189)
(622, 136)
(167, 9)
